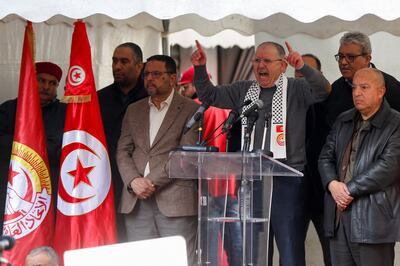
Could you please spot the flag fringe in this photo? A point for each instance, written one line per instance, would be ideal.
(76, 99)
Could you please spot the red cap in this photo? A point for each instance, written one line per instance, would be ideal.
(187, 76)
(49, 68)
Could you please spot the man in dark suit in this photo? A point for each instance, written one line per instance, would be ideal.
(127, 65)
(316, 132)
(153, 204)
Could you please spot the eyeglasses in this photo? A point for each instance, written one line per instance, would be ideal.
(266, 61)
(349, 57)
(155, 74)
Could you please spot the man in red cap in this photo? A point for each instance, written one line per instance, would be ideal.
(53, 111)
(186, 83)
(48, 76)
(187, 88)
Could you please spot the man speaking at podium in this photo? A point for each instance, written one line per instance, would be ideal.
(287, 100)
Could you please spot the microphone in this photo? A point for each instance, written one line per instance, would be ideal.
(233, 115)
(196, 117)
(232, 118)
(259, 104)
(6, 242)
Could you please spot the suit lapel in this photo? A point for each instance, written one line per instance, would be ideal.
(143, 129)
(170, 117)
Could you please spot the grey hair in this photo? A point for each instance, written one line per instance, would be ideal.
(278, 47)
(49, 252)
(359, 38)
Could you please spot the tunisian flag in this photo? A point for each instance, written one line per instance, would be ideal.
(85, 207)
(29, 215)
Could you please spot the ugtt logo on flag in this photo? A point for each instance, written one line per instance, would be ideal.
(29, 209)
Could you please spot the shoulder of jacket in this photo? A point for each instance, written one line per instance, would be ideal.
(138, 104)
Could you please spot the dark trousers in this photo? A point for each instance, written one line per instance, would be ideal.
(347, 253)
(318, 221)
(288, 220)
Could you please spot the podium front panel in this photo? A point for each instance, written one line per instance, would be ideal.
(234, 197)
(234, 221)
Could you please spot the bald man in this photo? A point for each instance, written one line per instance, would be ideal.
(360, 170)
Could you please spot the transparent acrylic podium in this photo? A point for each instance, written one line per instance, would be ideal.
(235, 192)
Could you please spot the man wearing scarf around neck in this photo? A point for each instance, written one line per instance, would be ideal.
(287, 100)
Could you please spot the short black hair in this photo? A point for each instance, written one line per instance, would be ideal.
(137, 52)
(316, 60)
(170, 64)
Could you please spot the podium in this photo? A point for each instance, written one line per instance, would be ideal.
(234, 198)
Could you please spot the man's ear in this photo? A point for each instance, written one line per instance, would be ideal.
(172, 80)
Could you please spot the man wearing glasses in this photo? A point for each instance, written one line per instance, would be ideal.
(287, 100)
(153, 204)
(354, 54)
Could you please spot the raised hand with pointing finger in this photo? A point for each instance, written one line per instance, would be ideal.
(198, 57)
(294, 58)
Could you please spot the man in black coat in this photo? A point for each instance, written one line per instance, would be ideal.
(315, 138)
(354, 54)
(127, 66)
(360, 170)
(53, 113)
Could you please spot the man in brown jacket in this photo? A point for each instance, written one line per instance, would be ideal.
(155, 205)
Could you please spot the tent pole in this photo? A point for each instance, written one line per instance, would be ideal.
(164, 37)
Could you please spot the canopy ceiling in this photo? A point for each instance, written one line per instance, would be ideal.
(150, 23)
(321, 19)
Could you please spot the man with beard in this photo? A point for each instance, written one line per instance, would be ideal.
(53, 112)
(153, 204)
(127, 65)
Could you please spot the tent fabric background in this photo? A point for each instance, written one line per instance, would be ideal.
(310, 26)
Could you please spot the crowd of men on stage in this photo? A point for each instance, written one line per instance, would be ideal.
(344, 137)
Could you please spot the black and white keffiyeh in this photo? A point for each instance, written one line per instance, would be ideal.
(278, 119)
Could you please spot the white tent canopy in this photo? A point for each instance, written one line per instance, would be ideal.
(280, 18)
(232, 22)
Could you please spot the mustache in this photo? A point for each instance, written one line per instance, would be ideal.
(44, 93)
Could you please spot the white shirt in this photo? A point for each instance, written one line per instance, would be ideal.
(156, 117)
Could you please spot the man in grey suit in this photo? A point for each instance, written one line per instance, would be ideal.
(155, 205)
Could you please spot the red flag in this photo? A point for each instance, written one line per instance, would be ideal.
(29, 215)
(85, 207)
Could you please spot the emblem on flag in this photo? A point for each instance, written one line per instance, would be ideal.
(76, 75)
(79, 193)
(28, 192)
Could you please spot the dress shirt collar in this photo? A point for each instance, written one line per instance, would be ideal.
(163, 104)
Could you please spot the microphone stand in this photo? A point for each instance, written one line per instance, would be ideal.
(267, 119)
(245, 186)
(200, 131)
(249, 129)
(199, 147)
